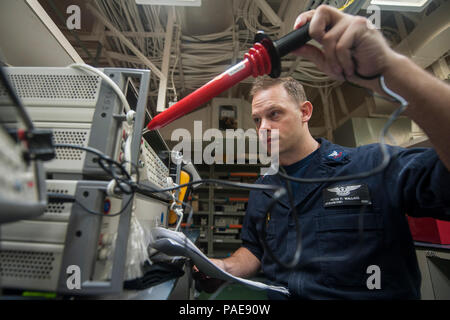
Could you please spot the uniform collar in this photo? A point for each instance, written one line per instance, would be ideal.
(323, 164)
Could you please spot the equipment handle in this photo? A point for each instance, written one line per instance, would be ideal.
(293, 40)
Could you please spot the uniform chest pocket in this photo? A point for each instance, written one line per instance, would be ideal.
(345, 252)
(275, 229)
(276, 236)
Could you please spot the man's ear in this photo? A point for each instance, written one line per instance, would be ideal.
(306, 108)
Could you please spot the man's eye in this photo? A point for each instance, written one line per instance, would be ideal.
(274, 113)
(256, 120)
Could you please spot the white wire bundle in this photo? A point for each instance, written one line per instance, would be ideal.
(128, 17)
(201, 57)
(205, 56)
(251, 18)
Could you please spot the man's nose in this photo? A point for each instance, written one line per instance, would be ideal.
(265, 125)
(264, 130)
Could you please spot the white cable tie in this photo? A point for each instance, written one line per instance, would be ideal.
(130, 117)
(173, 197)
(110, 188)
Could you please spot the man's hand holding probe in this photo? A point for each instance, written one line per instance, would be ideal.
(350, 45)
(353, 50)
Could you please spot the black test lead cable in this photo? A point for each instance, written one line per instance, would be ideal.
(144, 189)
(281, 191)
(385, 162)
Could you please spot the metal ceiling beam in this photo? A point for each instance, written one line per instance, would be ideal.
(326, 115)
(282, 8)
(180, 61)
(134, 34)
(40, 12)
(125, 41)
(341, 101)
(268, 12)
(98, 30)
(161, 103)
(441, 69)
(123, 57)
(293, 9)
(400, 25)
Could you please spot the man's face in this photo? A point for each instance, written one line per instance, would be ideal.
(273, 108)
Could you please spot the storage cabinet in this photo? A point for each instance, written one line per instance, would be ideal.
(219, 209)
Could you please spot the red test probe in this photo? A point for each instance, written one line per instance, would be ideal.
(263, 58)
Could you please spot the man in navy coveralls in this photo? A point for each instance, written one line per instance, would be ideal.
(336, 261)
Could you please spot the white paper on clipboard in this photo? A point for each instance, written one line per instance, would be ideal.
(177, 244)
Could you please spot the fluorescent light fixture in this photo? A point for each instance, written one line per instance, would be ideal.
(401, 5)
(187, 3)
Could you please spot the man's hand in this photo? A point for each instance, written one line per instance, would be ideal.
(242, 263)
(206, 283)
(350, 43)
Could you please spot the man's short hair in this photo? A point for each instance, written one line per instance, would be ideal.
(292, 87)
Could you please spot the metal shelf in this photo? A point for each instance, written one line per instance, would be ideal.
(225, 192)
(201, 213)
(227, 241)
(219, 213)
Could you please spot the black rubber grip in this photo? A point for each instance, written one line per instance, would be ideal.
(293, 40)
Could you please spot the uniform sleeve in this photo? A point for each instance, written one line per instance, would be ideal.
(249, 232)
(421, 182)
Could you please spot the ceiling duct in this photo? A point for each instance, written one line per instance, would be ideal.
(357, 132)
(430, 39)
(213, 16)
(426, 44)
